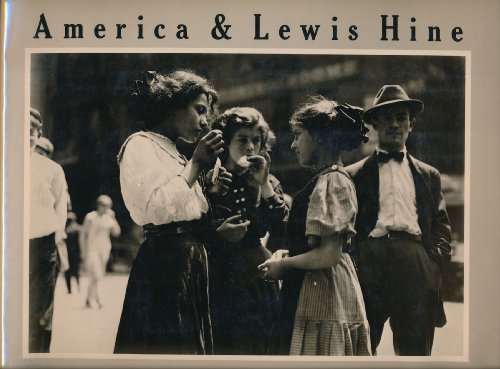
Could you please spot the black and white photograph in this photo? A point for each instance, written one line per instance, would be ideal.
(247, 204)
(250, 184)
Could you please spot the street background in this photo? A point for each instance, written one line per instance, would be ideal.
(83, 98)
(80, 330)
(84, 102)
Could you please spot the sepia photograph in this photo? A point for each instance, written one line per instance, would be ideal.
(252, 203)
(229, 184)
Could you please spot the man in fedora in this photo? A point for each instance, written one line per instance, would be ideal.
(403, 240)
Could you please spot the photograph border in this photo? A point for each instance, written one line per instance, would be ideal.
(250, 360)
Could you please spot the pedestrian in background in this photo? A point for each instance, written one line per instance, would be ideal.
(47, 251)
(73, 246)
(95, 240)
(44, 147)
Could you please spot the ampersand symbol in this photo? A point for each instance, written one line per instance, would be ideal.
(220, 30)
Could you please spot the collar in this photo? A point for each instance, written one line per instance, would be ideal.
(328, 168)
(404, 161)
(163, 142)
(378, 149)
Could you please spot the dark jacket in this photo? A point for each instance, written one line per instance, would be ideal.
(432, 216)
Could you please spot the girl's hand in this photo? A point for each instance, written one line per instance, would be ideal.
(274, 267)
(233, 229)
(259, 168)
(209, 147)
(222, 184)
(280, 254)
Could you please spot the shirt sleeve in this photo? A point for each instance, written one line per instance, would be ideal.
(60, 192)
(332, 207)
(274, 209)
(152, 183)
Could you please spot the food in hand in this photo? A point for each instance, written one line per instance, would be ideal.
(243, 162)
(216, 171)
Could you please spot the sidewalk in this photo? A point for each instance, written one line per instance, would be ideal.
(78, 329)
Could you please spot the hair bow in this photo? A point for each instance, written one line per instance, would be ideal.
(352, 115)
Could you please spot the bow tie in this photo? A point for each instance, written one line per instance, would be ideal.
(384, 157)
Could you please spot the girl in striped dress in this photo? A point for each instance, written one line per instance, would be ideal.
(321, 306)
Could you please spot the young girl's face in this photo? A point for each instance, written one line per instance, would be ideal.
(245, 142)
(303, 146)
(190, 122)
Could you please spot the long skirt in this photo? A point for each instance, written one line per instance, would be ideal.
(243, 317)
(166, 307)
(330, 317)
(322, 312)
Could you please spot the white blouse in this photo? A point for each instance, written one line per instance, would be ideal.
(150, 183)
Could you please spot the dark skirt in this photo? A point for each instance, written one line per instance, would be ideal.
(166, 307)
(244, 308)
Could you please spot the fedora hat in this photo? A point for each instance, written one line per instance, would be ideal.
(390, 95)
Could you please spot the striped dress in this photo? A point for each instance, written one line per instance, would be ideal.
(329, 318)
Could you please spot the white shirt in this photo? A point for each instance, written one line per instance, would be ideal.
(48, 199)
(150, 183)
(397, 199)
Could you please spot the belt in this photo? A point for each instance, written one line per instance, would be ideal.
(193, 226)
(401, 235)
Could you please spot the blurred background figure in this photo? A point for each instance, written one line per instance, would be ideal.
(44, 147)
(48, 208)
(95, 241)
(73, 246)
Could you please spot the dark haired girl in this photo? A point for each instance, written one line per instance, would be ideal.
(322, 308)
(166, 307)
